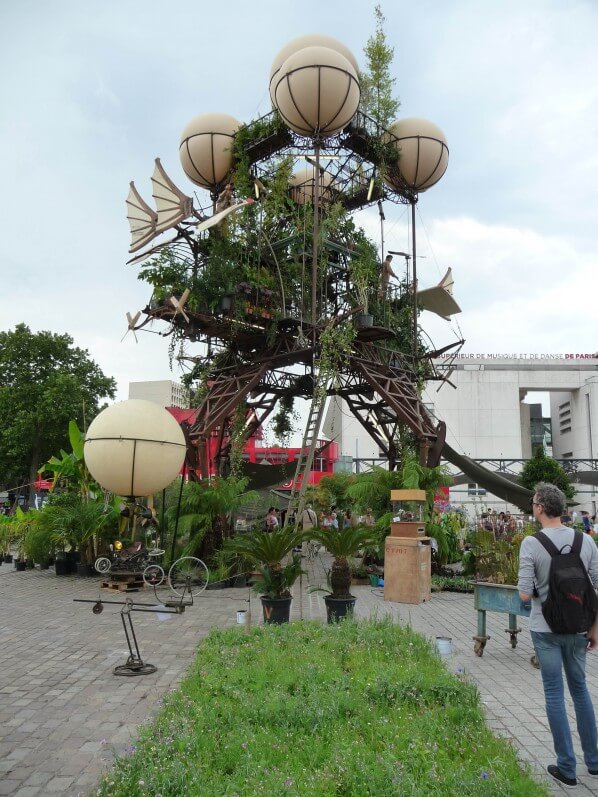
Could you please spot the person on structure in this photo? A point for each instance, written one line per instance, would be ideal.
(271, 520)
(385, 275)
(555, 651)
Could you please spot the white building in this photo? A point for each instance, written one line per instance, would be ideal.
(163, 392)
(487, 417)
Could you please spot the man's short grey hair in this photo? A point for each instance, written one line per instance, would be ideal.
(552, 499)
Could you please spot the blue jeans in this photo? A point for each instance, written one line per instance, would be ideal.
(555, 651)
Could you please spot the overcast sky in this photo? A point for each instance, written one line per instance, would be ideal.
(91, 92)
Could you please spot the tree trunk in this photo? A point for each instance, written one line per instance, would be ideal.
(340, 577)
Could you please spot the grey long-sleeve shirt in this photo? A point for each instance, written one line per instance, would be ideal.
(534, 568)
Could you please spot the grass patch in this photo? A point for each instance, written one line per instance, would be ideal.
(452, 583)
(363, 708)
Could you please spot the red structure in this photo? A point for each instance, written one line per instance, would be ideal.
(254, 452)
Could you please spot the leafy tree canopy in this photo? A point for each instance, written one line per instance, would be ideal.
(45, 382)
(541, 468)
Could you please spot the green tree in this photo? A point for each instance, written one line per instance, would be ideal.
(376, 83)
(44, 383)
(541, 468)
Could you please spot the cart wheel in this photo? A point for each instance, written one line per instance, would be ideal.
(98, 607)
(103, 564)
(534, 662)
(153, 575)
(478, 647)
(188, 577)
(513, 640)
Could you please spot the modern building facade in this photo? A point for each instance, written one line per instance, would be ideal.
(163, 392)
(487, 416)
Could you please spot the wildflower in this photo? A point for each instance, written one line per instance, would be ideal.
(141, 782)
(244, 745)
(288, 782)
(484, 776)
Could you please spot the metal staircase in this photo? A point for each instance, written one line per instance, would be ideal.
(308, 448)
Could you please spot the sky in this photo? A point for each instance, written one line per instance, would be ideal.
(91, 92)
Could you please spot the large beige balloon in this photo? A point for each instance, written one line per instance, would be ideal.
(134, 448)
(423, 153)
(316, 91)
(206, 149)
(303, 186)
(309, 40)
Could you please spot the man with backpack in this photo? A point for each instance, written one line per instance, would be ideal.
(558, 571)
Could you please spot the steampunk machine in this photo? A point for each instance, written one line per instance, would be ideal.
(271, 291)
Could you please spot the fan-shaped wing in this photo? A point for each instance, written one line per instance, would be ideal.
(142, 219)
(173, 206)
(439, 299)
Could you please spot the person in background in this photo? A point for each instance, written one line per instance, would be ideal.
(369, 520)
(271, 520)
(585, 519)
(348, 520)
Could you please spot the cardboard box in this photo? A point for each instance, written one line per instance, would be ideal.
(407, 569)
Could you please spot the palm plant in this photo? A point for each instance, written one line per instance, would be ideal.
(266, 551)
(73, 521)
(205, 513)
(342, 544)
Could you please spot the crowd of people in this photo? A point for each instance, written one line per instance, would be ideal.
(310, 519)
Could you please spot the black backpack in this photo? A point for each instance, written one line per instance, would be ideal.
(571, 606)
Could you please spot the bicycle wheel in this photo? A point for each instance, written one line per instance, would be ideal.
(188, 576)
(153, 575)
(102, 564)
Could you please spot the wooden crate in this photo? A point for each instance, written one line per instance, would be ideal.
(407, 569)
(123, 586)
(408, 495)
(408, 528)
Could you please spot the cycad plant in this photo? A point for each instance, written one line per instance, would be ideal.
(342, 544)
(266, 551)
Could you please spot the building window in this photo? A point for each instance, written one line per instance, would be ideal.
(475, 489)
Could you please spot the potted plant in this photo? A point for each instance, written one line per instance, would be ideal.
(6, 537)
(266, 552)
(342, 544)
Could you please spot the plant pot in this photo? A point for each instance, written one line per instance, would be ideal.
(365, 321)
(337, 608)
(72, 557)
(241, 580)
(85, 570)
(29, 564)
(374, 580)
(8, 558)
(276, 610)
(44, 564)
(62, 567)
(20, 565)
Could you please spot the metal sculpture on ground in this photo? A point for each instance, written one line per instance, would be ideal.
(280, 288)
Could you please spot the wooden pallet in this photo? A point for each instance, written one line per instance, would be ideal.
(123, 586)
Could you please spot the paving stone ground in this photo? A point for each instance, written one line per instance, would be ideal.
(64, 716)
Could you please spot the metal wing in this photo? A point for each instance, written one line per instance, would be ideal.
(173, 206)
(142, 219)
(439, 299)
